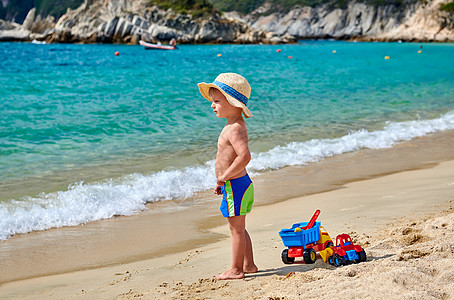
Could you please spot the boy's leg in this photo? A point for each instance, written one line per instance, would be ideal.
(238, 231)
(249, 265)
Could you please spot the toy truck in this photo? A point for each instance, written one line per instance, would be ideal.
(306, 239)
(345, 252)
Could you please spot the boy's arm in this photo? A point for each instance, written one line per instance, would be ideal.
(238, 138)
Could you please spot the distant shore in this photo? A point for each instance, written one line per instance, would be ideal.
(128, 22)
(13, 38)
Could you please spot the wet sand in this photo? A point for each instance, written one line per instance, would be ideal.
(163, 235)
(405, 222)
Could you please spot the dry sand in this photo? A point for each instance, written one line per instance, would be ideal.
(404, 220)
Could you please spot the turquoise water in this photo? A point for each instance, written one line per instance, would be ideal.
(66, 107)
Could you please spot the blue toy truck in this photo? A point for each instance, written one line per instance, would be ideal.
(305, 239)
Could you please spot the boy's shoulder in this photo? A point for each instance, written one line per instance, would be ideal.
(239, 125)
(235, 130)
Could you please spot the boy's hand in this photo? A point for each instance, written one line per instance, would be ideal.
(217, 189)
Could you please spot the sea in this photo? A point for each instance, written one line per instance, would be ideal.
(87, 135)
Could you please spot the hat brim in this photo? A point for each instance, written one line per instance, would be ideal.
(205, 88)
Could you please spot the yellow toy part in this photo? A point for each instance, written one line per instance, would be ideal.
(324, 236)
(325, 254)
(297, 229)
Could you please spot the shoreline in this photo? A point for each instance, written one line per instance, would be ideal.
(297, 39)
(363, 209)
(131, 239)
(350, 39)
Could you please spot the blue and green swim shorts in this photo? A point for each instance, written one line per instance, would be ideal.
(238, 196)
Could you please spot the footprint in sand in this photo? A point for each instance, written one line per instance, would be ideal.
(126, 276)
(190, 256)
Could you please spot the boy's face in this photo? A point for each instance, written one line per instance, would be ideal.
(221, 107)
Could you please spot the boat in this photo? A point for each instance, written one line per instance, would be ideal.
(150, 46)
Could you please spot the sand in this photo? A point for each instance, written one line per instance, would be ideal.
(405, 222)
(185, 224)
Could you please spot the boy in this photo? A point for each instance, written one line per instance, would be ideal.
(229, 94)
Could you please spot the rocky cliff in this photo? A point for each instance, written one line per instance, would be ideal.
(414, 21)
(126, 21)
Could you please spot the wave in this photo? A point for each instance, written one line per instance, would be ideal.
(300, 153)
(83, 203)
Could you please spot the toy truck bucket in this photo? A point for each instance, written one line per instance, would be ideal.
(292, 238)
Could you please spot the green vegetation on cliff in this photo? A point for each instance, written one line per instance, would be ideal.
(449, 7)
(241, 6)
(247, 6)
(197, 8)
(17, 10)
(56, 8)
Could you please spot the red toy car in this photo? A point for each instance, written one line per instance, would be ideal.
(346, 252)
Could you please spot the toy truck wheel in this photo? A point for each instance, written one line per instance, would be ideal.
(330, 260)
(338, 260)
(287, 260)
(309, 256)
(361, 257)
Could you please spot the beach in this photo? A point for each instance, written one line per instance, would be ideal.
(398, 206)
(107, 169)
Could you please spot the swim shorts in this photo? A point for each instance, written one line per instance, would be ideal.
(238, 196)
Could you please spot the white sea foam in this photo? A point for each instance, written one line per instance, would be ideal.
(83, 203)
(299, 153)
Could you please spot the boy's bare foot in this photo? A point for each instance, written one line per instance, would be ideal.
(251, 269)
(230, 274)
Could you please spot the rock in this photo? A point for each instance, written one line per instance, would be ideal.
(421, 21)
(128, 21)
(288, 38)
(122, 21)
(29, 19)
(10, 31)
(43, 25)
(6, 25)
(15, 35)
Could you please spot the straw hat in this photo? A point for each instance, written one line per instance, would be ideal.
(234, 87)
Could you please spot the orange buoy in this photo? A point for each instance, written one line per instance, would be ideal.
(386, 57)
(334, 51)
(419, 51)
(219, 55)
(278, 50)
(290, 57)
(117, 53)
